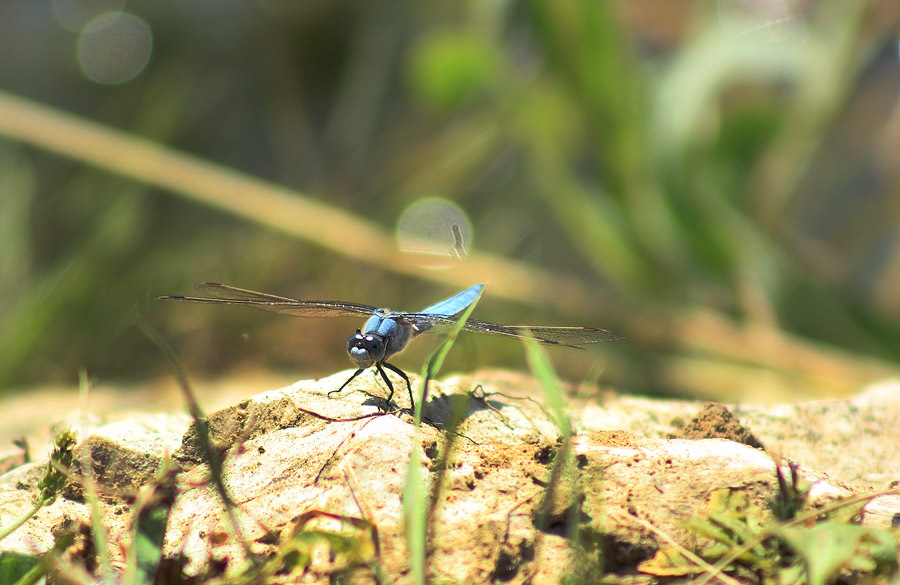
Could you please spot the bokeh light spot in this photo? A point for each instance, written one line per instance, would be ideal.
(435, 229)
(114, 48)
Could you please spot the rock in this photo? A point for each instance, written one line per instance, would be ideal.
(274, 410)
(124, 456)
(506, 509)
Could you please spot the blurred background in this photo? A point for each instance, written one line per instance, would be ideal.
(719, 181)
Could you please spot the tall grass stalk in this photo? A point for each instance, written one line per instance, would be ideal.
(415, 495)
(91, 494)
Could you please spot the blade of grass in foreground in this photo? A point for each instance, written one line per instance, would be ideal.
(213, 457)
(415, 498)
(91, 493)
(540, 366)
(151, 514)
(436, 360)
(563, 463)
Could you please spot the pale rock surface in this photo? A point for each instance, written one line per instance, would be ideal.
(495, 517)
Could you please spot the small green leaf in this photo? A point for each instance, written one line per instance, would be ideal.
(14, 566)
(667, 562)
(825, 548)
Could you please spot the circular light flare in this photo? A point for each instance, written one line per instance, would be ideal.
(114, 48)
(436, 230)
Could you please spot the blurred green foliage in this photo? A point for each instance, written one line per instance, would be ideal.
(726, 195)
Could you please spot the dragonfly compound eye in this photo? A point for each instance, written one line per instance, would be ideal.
(365, 350)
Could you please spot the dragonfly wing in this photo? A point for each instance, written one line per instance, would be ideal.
(223, 291)
(562, 336)
(229, 295)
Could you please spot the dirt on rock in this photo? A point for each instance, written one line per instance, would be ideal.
(715, 421)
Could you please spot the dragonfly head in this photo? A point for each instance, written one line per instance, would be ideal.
(365, 350)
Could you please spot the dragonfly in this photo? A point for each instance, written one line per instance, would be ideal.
(387, 332)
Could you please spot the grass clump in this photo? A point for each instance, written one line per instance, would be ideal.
(788, 541)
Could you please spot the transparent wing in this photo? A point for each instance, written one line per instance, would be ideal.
(229, 295)
(562, 336)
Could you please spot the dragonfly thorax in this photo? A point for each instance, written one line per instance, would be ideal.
(365, 350)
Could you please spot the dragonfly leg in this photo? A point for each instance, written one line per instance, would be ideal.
(355, 374)
(386, 381)
(402, 374)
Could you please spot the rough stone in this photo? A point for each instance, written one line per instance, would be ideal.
(126, 455)
(507, 503)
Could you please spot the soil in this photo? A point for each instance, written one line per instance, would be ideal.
(715, 421)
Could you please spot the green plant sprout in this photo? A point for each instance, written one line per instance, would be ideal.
(52, 482)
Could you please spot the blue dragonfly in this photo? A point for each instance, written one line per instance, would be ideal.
(388, 332)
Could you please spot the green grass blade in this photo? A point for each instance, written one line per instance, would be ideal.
(152, 518)
(91, 494)
(415, 514)
(415, 497)
(543, 370)
(213, 457)
(436, 360)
